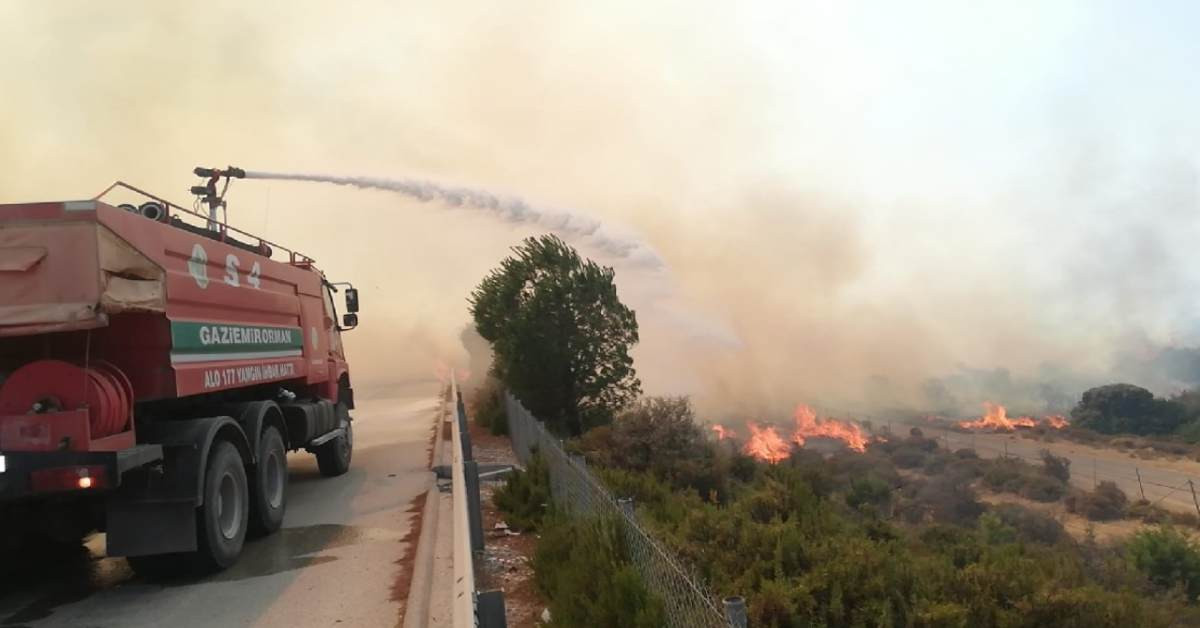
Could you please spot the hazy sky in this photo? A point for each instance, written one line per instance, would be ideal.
(845, 193)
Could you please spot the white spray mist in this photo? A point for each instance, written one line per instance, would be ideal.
(570, 225)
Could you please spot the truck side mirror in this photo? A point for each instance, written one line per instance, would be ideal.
(349, 321)
(351, 300)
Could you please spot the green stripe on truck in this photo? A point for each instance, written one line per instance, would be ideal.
(189, 337)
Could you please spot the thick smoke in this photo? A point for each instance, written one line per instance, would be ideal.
(571, 225)
(885, 208)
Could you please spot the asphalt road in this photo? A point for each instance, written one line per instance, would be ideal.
(334, 563)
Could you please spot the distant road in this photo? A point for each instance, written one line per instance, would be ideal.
(1165, 481)
(334, 563)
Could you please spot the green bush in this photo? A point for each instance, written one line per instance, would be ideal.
(1190, 431)
(659, 435)
(1043, 488)
(815, 541)
(499, 422)
(487, 402)
(582, 566)
(525, 496)
(1004, 475)
(909, 457)
(1168, 557)
(868, 491)
(1058, 467)
(1128, 409)
(993, 530)
(1011, 475)
(1031, 525)
(1106, 503)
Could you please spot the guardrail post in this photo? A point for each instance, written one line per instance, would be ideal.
(474, 514)
(735, 611)
(489, 609)
(626, 504)
(465, 434)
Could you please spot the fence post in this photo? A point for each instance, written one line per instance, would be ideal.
(1006, 450)
(1192, 486)
(735, 611)
(1095, 483)
(474, 514)
(1141, 489)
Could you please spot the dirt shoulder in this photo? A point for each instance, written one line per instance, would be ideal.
(1075, 525)
(507, 555)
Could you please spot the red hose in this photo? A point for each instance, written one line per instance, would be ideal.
(49, 385)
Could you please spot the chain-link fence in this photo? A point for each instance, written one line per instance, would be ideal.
(574, 488)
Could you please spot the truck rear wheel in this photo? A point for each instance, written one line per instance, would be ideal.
(221, 521)
(333, 457)
(268, 488)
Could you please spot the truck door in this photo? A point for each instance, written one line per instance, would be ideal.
(334, 333)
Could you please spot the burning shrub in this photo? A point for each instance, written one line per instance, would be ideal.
(1105, 503)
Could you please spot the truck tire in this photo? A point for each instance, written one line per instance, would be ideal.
(268, 486)
(222, 521)
(333, 458)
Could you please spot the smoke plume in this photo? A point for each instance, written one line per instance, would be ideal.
(569, 224)
(879, 208)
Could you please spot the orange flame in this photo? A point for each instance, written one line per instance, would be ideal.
(809, 426)
(766, 444)
(1056, 421)
(722, 431)
(995, 417)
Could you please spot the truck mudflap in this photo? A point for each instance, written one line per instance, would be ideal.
(157, 513)
(29, 474)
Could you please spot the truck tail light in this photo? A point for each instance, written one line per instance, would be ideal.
(69, 478)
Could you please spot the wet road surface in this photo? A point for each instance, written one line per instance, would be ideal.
(334, 563)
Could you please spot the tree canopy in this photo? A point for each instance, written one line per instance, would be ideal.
(1125, 408)
(560, 336)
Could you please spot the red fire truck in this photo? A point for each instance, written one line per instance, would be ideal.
(156, 366)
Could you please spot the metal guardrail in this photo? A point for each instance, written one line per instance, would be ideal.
(471, 608)
(687, 601)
